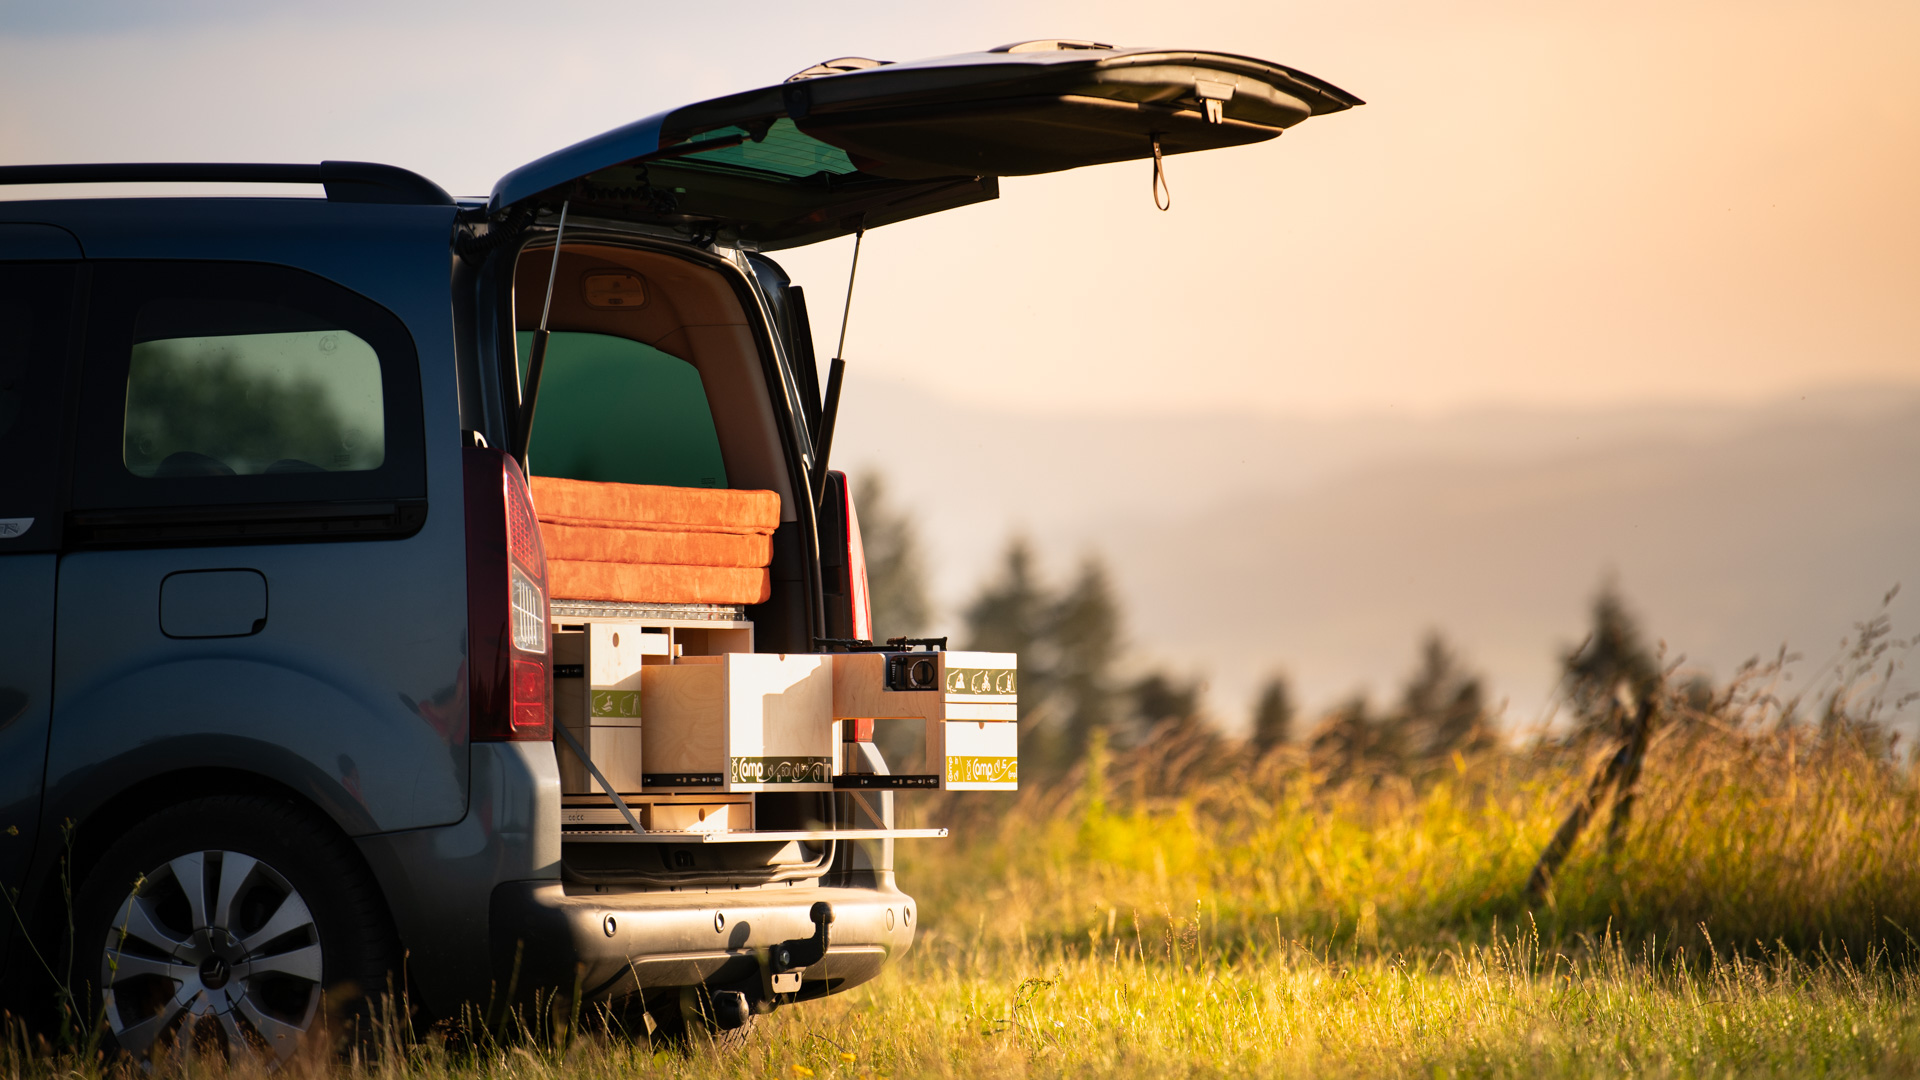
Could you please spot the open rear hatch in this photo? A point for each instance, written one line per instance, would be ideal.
(690, 756)
(854, 143)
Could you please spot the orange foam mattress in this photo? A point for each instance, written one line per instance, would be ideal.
(663, 545)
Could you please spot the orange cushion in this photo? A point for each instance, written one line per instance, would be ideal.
(586, 543)
(658, 584)
(643, 543)
(646, 506)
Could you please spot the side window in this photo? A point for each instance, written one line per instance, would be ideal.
(212, 387)
(282, 395)
(35, 315)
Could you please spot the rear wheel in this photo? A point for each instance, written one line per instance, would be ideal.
(230, 924)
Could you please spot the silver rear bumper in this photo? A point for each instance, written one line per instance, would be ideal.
(612, 944)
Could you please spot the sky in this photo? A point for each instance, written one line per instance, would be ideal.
(1546, 216)
(1565, 206)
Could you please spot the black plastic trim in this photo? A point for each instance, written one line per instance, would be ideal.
(888, 782)
(674, 780)
(286, 522)
(345, 181)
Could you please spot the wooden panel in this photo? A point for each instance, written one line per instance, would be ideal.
(570, 710)
(618, 751)
(614, 658)
(685, 733)
(712, 641)
(699, 817)
(674, 813)
(860, 691)
(975, 686)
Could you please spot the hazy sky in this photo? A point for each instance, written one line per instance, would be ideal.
(1567, 204)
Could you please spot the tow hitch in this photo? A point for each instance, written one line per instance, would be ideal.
(782, 966)
(788, 959)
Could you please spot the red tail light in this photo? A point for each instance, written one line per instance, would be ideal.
(508, 659)
(857, 573)
(843, 563)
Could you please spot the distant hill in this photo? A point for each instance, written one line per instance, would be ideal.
(1326, 546)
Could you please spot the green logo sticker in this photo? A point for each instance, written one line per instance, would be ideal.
(970, 680)
(622, 703)
(983, 770)
(780, 770)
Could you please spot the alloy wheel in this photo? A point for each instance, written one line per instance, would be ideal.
(214, 950)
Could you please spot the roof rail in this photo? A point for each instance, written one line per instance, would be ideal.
(345, 181)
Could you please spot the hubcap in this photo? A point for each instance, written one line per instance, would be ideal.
(214, 972)
(213, 950)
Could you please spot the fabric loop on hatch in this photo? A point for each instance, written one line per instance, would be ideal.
(1162, 197)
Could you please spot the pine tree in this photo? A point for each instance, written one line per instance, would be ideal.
(1066, 642)
(896, 574)
(1010, 613)
(1085, 629)
(1159, 698)
(1273, 716)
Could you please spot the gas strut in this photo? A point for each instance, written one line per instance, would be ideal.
(835, 372)
(530, 395)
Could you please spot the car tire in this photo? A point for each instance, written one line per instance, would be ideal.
(287, 939)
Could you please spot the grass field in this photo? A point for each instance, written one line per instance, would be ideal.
(1184, 910)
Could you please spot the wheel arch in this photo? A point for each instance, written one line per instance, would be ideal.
(53, 895)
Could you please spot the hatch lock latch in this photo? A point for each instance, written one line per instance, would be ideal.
(1213, 98)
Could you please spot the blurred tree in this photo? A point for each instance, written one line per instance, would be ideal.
(1273, 715)
(1012, 613)
(1612, 661)
(1085, 627)
(1067, 644)
(896, 574)
(1442, 708)
(1441, 711)
(1177, 748)
(1159, 698)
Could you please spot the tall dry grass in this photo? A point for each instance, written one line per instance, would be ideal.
(1184, 908)
(1759, 821)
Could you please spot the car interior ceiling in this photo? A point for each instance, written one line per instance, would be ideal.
(684, 310)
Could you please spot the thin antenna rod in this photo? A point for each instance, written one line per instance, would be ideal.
(830, 410)
(530, 394)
